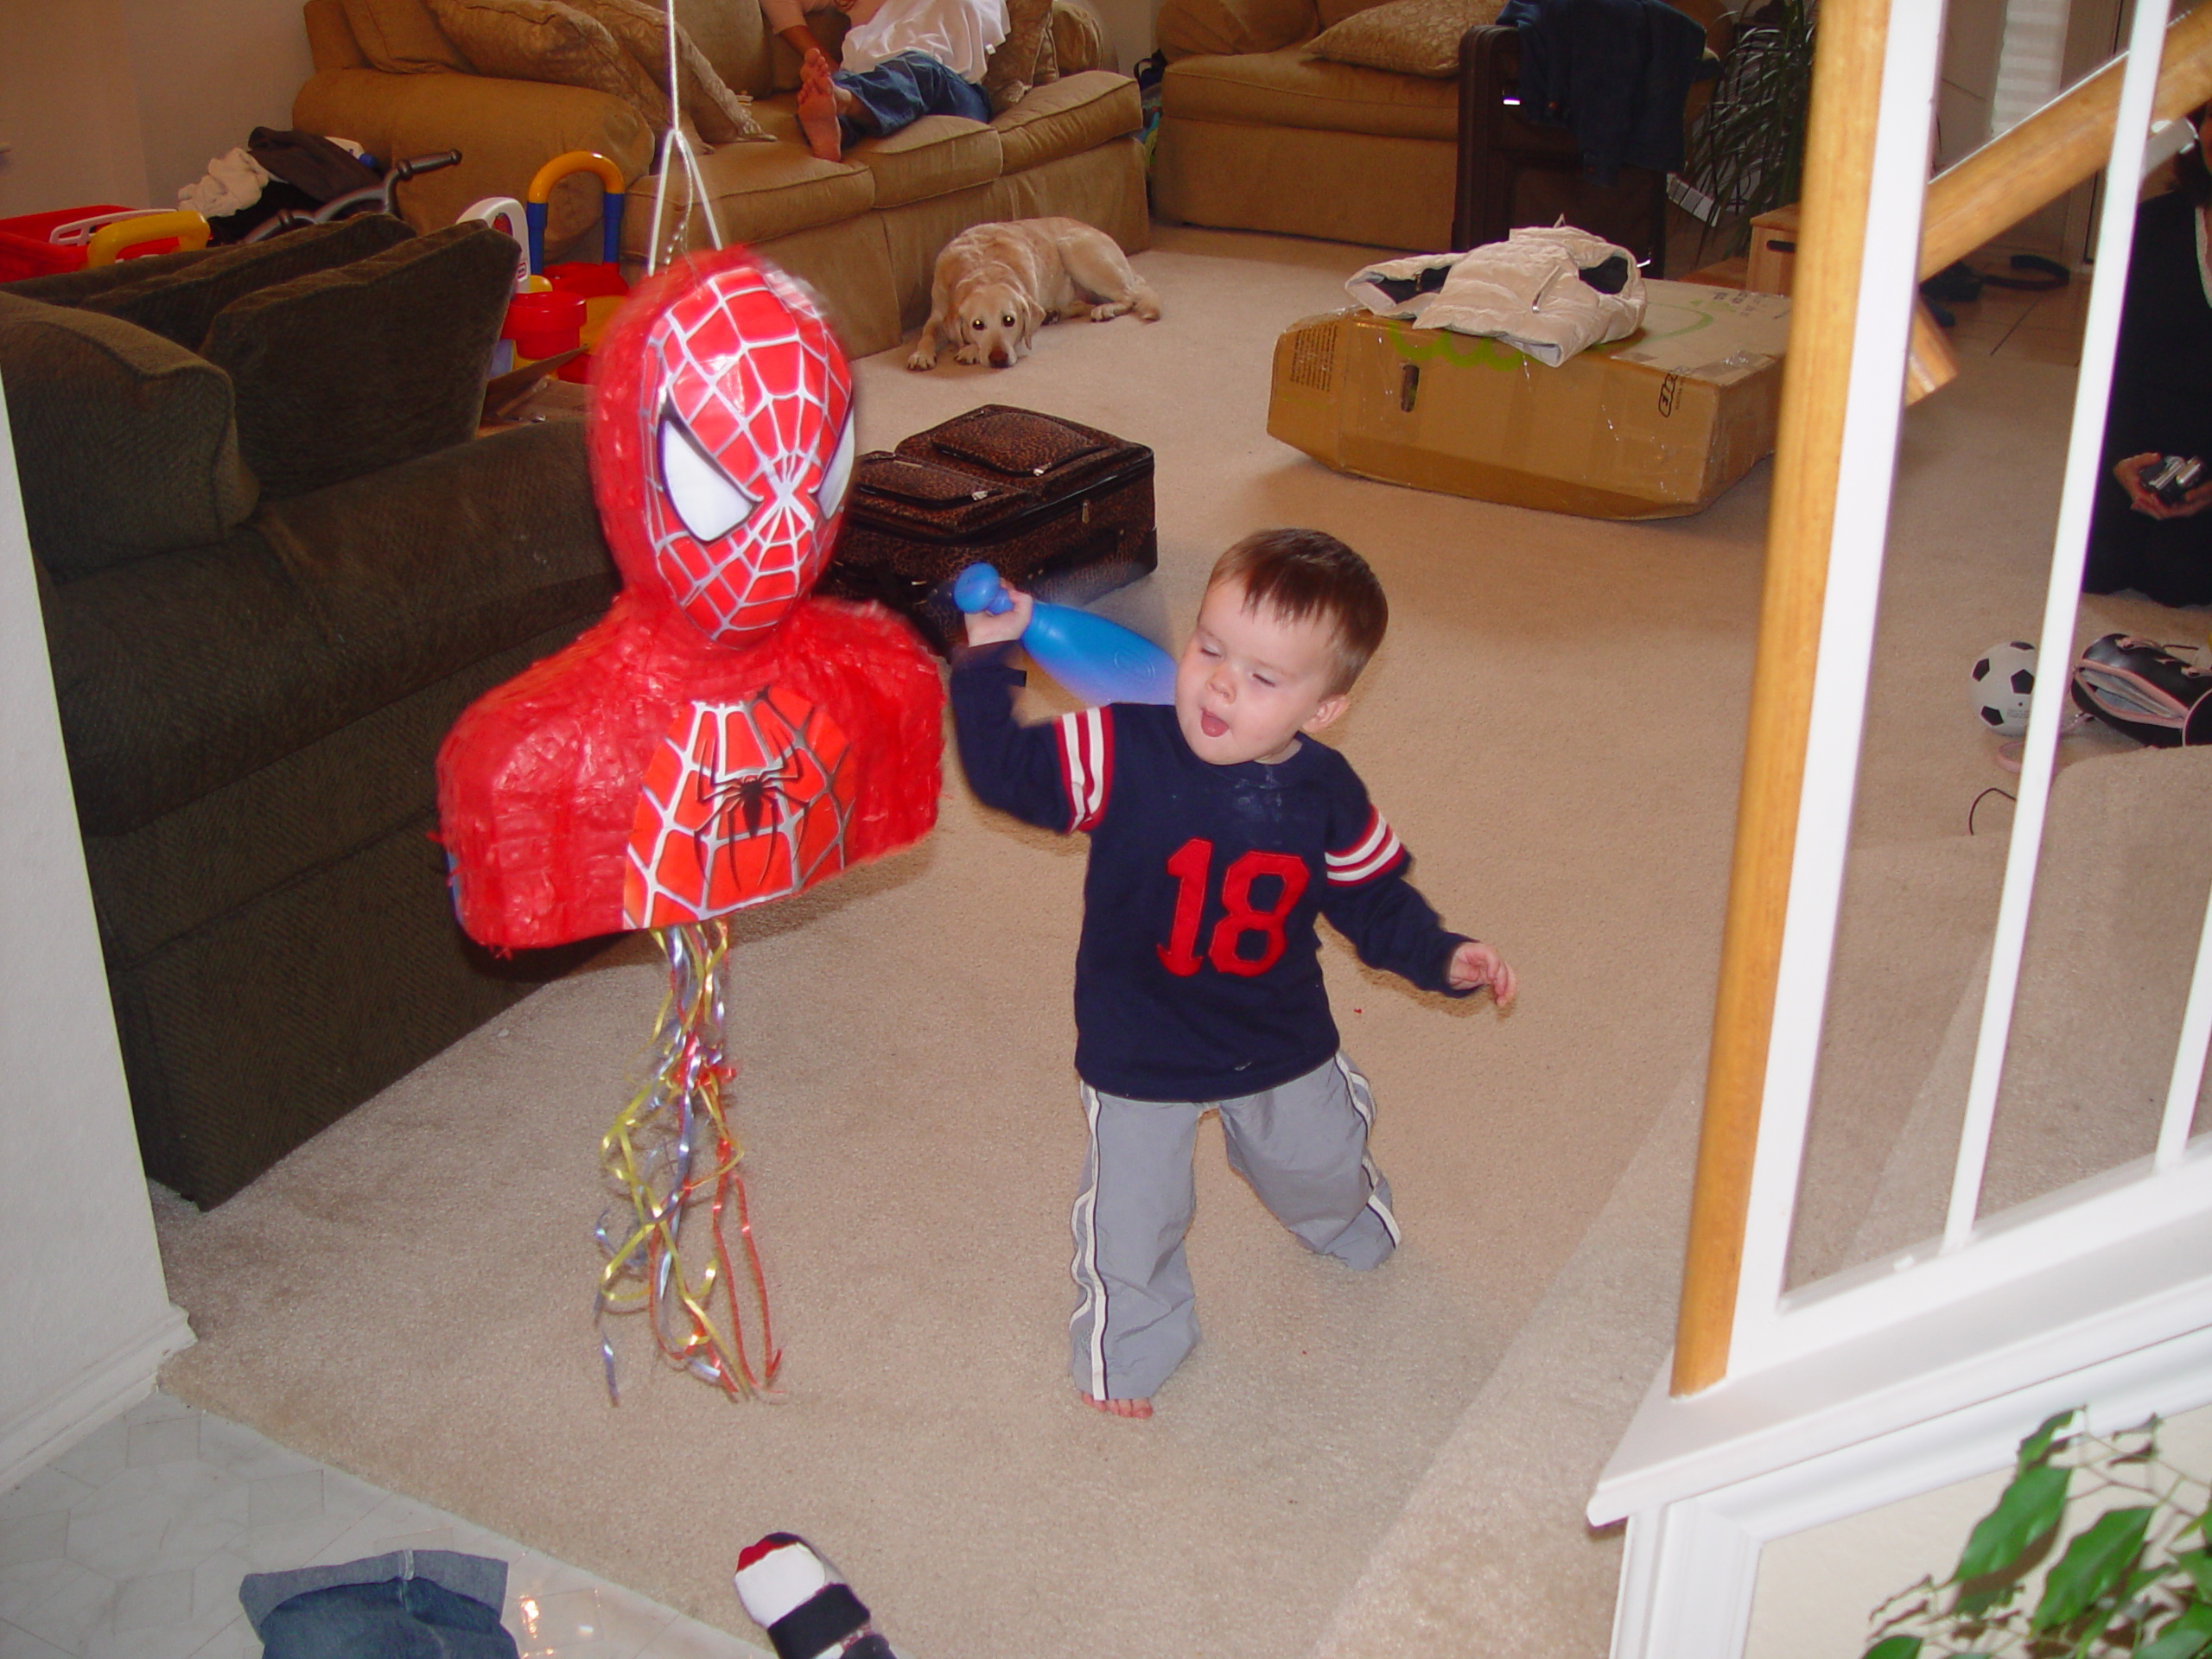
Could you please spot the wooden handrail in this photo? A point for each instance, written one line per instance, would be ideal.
(2053, 150)
(1838, 181)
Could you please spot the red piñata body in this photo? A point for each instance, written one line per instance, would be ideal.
(721, 740)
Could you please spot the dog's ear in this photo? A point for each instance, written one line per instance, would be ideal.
(1032, 318)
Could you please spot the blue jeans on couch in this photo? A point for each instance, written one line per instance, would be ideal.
(901, 90)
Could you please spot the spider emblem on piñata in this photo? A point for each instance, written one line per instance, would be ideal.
(743, 803)
(722, 739)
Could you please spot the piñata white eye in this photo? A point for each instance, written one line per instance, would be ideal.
(706, 498)
(838, 476)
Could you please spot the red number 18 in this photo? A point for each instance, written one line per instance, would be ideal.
(1189, 865)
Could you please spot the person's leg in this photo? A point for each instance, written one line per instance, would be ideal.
(899, 91)
(1303, 1147)
(1135, 1316)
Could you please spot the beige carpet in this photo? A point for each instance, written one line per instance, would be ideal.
(1554, 727)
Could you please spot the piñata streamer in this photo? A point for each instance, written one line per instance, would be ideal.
(670, 1155)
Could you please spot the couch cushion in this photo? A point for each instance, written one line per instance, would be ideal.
(1409, 37)
(349, 370)
(401, 38)
(1288, 89)
(932, 156)
(1072, 114)
(735, 40)
(176, 296)
(124, 442)
(1025, 58)
(545, 40)
(1189, 28)
(718, 115)
(758, 191)
(331, 44)
(1079, 39)
(1333, 12)
(192, 669)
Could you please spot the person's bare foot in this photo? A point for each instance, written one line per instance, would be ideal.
(1116, 1408)
(818, 109)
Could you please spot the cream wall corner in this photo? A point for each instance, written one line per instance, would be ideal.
(82, 1301)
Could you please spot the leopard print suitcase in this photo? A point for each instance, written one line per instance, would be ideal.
(1061, 510)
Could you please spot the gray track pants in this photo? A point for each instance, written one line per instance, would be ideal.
(1302, 1146)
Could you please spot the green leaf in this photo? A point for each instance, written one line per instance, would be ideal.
(2030, 1508)
(1895, 1647)
(2093, 1564)
(2197, 1563)
(2037, 1448)
(2184, 1638)
(1972, 1604)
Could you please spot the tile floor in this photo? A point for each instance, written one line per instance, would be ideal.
(2044, 328)
(132, 1544)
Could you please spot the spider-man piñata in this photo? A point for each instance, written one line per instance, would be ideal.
(721, 738)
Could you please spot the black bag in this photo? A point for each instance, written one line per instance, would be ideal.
(2138, 687)
(1061, 509)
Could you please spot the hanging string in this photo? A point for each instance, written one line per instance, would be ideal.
(676, 148)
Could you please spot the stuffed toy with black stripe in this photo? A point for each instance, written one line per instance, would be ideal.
(808, 1610)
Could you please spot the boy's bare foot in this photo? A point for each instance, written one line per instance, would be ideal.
(1116, 1408)
(818, 109)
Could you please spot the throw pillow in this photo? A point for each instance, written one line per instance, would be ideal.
(349, 370)
(721, 115)
(1413, 37)
(1204, 29)
(1079, 38)
(545, 39)
(401, 38)
(1024, 58)
(123, 440)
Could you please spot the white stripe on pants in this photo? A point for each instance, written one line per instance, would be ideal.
(1302, 1147)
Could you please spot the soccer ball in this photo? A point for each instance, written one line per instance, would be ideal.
(2003, 682)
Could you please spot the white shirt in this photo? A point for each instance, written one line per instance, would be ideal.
(958, 34)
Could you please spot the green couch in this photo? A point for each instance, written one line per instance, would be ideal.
(275, 563)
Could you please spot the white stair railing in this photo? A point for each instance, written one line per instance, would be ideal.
(1788, 1407)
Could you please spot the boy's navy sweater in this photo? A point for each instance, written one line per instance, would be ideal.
(1200, 977)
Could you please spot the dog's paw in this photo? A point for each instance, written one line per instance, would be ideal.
(1108, 313)
(967, 354)
(922, 360)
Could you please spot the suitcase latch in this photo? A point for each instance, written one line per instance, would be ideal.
(979, 495)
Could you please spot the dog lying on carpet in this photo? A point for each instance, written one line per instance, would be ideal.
(997, 284)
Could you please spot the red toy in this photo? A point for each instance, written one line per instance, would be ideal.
(721, 740)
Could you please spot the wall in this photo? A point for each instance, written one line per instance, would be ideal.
(82, 1301)
(1816, 1588)
(1129, 29)
(125, 100)
(208, 73)
(68, 110)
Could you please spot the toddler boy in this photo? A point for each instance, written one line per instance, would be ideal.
(1219, 830)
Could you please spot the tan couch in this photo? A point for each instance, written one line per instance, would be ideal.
(864, 233)
(1256, 135)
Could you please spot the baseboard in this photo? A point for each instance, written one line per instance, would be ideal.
(101, 1392)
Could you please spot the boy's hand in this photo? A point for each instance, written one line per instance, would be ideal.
(1475, 965)
(984, 629)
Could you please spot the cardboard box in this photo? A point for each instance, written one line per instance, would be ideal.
(1653, 426)
(1772, 265)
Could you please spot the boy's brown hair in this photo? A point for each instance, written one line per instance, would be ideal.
(1297, 574)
